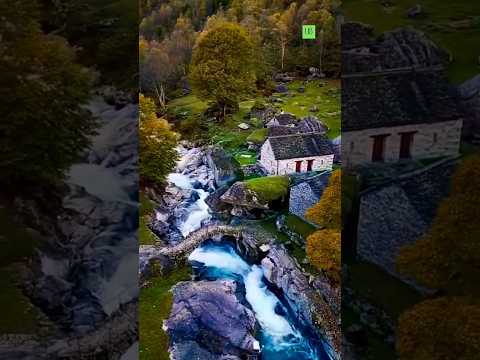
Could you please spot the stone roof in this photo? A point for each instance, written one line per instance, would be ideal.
(316, 183)
(300, 145)
(396, 99)
(406, 206)
(311, 124)
(285, 119)
(280, 130)
(399, 48)
(356, 34)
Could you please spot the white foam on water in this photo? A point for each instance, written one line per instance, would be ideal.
(180, 180)
(199, 211)
(220, 259)
(263, 303)
(262, 300)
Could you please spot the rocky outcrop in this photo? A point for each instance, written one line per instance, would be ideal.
(223, 166)
(208, 318)
(214, 200)
(309, 307)
(240, 195)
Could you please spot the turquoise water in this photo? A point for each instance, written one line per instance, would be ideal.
(279, 338)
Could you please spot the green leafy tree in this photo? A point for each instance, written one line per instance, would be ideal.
(44, 125)
(222, 68)
(157, 145)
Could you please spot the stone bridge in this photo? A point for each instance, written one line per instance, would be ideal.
(197, 237)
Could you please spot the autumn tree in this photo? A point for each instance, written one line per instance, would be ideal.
(445, 328)
(222, 68)
(283, 24)
(43, 92)
(446, 258)
(324, 245)
(157, 145)
(324, 252)
(327, 212)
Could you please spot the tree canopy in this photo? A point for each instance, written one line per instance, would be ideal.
(222, 68)
(324, 245)
(43, 91)
(327, 212)
(157, 145)
(446, 258)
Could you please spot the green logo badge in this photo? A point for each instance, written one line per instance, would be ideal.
(308, 32)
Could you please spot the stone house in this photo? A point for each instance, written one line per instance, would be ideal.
(306, 193)
(296, 153)
(398, 212)
(397, 103)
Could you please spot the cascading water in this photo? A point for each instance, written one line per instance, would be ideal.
(198, 211)
(279, 338)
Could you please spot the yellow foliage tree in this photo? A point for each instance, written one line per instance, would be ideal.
(326, 213)
(324, 252)
(444, 328)
(446, 258)
(447, 255)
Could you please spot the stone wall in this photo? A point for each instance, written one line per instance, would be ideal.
(267, 159)
(399, 212)
(301, 198)
(320, 163)
(430, 140)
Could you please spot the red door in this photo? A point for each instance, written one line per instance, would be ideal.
(378, 147)
(309, 165)
(406, 141)
(298, 166)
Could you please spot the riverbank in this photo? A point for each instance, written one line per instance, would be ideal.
(179, 215)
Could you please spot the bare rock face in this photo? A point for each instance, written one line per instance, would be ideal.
(240, 195)
(223, 166)
(310, 308)
(210, 313)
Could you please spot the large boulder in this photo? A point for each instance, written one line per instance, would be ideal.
(240, 195)
(308, 305)
(210, 313)
(223, 166)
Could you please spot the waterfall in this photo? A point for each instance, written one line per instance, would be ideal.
(279, 338)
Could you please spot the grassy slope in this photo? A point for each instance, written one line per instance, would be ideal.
(145, 236)
(154, 307)
(269, 188)
(233, 139)
(18, 315)
(461, 43)
(326, 98)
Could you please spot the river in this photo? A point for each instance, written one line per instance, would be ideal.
(279, 337)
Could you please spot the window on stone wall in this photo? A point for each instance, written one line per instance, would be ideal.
(435, 138)
(298, 166)
(310, 165)
(406, 141)
(378, 151)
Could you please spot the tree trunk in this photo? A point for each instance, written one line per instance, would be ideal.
(283, 54)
